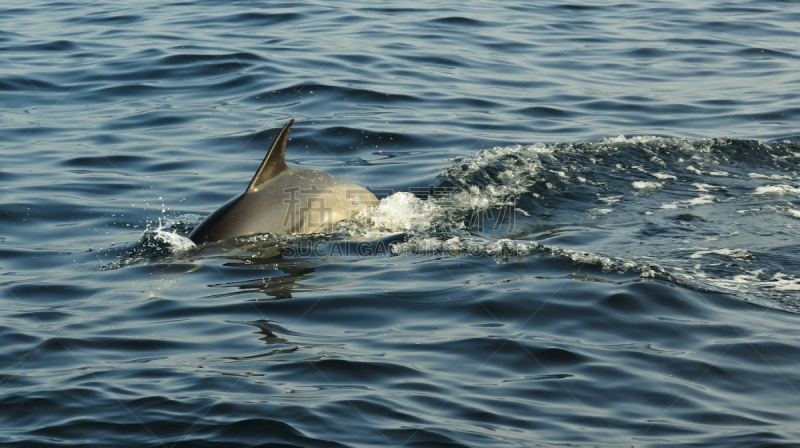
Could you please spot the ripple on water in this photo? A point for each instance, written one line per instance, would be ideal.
(614, 310)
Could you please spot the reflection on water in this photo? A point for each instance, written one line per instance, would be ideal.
(287, 279)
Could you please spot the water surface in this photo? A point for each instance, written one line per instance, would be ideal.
(606, 252)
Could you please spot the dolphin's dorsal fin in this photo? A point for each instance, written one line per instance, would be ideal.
(275, 161)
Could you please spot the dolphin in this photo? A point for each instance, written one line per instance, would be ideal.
(283, 201)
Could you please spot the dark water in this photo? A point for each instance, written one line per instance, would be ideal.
(596, 291)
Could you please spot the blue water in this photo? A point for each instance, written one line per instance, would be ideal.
(602, 249)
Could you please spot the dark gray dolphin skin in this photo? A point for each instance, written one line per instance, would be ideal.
(283, 200)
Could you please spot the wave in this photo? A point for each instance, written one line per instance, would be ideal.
(711, 214)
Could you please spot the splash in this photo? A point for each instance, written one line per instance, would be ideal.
(169, 235)
(401, 212)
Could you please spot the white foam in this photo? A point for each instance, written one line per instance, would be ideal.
(457, 246)
(604, 262)
(513, 180)
(740, 254)
(664, 176)
(703, 187)
(178, 242)
(595, 212)
(777, 189)
(782, 209)
(774, 176)
(783, 282)
(702, 199)
(647, 185)
(610, 199)
(634, 139)
(402, 211)
(737, 282)
(693, 169)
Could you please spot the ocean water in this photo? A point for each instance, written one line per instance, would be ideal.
(588, 233)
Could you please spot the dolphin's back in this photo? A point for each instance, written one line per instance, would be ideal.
(296, 201)
(282, 200)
